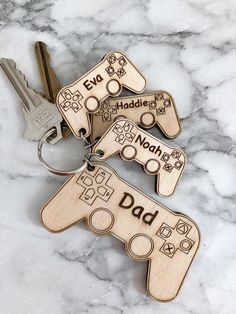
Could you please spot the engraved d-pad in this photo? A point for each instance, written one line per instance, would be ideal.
(175, 238)
(71, 101)
(116, 66)
(124, 132)
(172, 161)
(106, 111)
(95, 186)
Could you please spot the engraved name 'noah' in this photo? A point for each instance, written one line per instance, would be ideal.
(145, 144)
(89, 84)
(127, 202)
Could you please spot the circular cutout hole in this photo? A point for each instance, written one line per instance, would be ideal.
(90, 167)
(82, 131)
(100, 153)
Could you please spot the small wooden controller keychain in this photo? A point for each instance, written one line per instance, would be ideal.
(157, 158)
(145, 110)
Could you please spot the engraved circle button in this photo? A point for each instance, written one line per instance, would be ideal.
(113, 87)
(129, 152)
(185, 245)
(101, 220)
(92, 104)
(141, 245)
(152, 166)
(147, 119)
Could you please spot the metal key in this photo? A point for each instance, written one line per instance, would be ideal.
(51, 85)
(40, 114)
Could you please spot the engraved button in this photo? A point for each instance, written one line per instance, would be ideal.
(165, 232)
(102, 190)
(141, 245)
(182, 228)
(90, 193)
(99, 179)
(101, 220)
(88, 181)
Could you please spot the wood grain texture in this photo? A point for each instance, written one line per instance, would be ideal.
(150, 231)
(157, 108)
(85, 95)
(156, 157)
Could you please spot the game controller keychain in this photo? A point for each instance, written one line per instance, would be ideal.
(109, 205)
(150, 231)
(88, 95)
(84, 97)
(156, 157)
(95, 193)
(145, 110)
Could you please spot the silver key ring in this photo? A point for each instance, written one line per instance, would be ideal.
(43, 139)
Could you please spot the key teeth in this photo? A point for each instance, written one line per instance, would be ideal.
(12, 63)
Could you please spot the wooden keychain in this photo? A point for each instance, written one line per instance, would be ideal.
(150, 231)
(145, 110)
(156, 157)
(85, 95)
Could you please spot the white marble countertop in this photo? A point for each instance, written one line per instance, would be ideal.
(186, 47)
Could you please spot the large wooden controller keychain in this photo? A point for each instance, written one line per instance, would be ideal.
(145, 110)
(156, 157)
(150, 231)
(85, 95)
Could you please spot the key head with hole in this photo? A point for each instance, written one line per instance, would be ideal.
(157, 158)
(40, 114)
(85, 95)
(147, 110)
(150, 231)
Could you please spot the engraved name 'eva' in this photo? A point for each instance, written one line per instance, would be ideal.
(89, 84)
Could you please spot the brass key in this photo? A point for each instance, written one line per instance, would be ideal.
(51, 85)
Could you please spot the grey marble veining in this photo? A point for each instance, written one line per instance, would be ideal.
(185, 47)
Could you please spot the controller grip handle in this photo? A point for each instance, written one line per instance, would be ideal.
(166, 274)
(62, 211)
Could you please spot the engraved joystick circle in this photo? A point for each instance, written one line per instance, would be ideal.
(152, 166)
(113, 87)
(147, 119)
(140, 245)
(101, 220)
(129, 152)
(92, 104)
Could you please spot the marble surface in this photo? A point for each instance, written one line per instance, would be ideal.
(184, 46)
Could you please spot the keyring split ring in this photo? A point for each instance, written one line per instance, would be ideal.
(43, 139)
